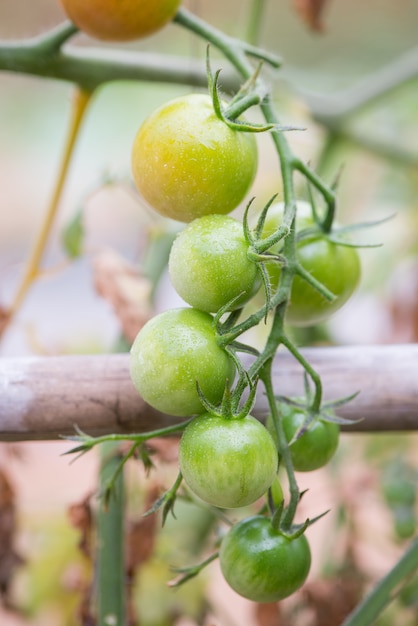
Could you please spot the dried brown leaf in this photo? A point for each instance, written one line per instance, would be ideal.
(311, 12)
(5, 315)
(9, 558)
(141, 537)
(331, 600)
(81, 518)
(125, 288)
(403, 305)
(269, 614)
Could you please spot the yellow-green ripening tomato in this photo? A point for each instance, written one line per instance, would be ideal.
(120, 20)
(187, 163)
(336, 266)
(173, 352)
(228, 462)
(209, 264)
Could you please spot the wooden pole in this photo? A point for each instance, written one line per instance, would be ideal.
(45, 397)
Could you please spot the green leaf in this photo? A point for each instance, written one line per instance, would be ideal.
(72, 236)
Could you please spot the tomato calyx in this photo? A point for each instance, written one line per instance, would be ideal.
(252, 93)
(229, 407)
(326, 412)
(166, 501)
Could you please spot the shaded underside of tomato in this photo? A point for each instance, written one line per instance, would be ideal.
(187, 163)
(316, 446)
(260, 563)
(114, 20)
(228, 463)
(209, 264)
(172, 352)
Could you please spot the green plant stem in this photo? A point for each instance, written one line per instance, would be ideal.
(111, 592)
(255, 21)
(233, 49)
(368, 90)
(284, 451)
(90, 68)
(316, 379)
(367, 611)
(87, 443)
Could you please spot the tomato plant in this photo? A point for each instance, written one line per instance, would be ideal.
(336, 266)
(173, 352)
(262, 564)
(120, 21)
(186, 162)
(193, 160)
(228, 462)
(315, 446)
(209, 264)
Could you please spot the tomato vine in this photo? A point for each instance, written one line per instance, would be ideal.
(219, 402)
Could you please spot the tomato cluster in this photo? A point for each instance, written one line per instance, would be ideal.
(191, 166)
(194, 161)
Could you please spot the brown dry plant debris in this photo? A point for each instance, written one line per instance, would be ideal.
(126, 290)
(81, 518)
(9, 558)
(311, 13)
(270, 614)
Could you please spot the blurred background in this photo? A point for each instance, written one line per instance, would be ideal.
(376, 150)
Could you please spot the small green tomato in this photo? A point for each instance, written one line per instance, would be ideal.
(209, 264)
(173, 352)
(260, 563)
(227, 462)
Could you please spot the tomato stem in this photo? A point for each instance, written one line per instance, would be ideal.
(283, 448)
(79, 107)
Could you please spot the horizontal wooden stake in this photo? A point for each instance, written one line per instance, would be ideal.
(45, 397)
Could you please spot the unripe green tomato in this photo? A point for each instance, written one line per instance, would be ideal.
(227, 462)
(260, 563)
(404, 521)
(399, 491)
(187, 163)
(171, 353)
(337, 267)
(277, 494)
(117, 20)
(209, 264)
(316, 446)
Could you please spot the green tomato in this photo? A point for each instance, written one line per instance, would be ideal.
(336, 266)
(404, 521)
(260, 563)
(228, 463)
(316, 446)
(209, 264)
(171, 353)
(187, 163)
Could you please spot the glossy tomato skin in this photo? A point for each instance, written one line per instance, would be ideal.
(260, 563)
(209, 264)
(337, 267)
(113, 20)
(173, 351)
(316, 446)
(187, 163)
(228, 463)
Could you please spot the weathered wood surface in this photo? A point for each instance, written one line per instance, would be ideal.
(45, 397)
